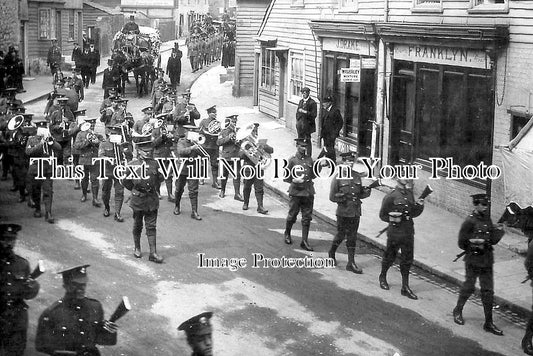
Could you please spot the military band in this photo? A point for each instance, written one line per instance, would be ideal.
(230, 153)
(87, 143)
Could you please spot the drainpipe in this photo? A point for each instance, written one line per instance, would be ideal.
(383, 55)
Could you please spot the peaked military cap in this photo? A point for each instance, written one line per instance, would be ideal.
(147, 109)
(28, 117)
(76, 274)
(301, 141)
(144, 143)
(80, 112)
(9, 231)
(478, 198)
(62, 100)
(233, 117)
(90, 119)
(197, 325)
(212, 109)
(40, 121)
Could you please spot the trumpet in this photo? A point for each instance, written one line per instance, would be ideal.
(198, 140)
(92, 137)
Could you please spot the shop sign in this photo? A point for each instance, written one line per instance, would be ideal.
(456, 56)
(368, 63)
(343, 146)
(348, 45)
(350, 75)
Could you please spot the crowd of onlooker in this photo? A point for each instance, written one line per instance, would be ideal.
(11, 70)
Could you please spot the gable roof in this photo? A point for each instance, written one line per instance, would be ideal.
(101, 7)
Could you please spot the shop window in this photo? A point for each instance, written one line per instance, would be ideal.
(268, 69)
(348, 5)
(46, 24)
(71, 25)
(297, 75)
(480, 6)
(453, 115)
(518, 121)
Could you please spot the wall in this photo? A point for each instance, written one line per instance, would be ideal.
(9, 25)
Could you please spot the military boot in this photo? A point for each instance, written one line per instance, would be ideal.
(406, 291)
(332, 250)
(237, 189)
(305, 234)
(96, 202)
(170, 197)
(246, 197)
(107, 209)
(137, 249)
(287, 234)
(223, 183)
(383, 276)
(118, 208)
(154, 257)
(487, 309)
(214, 174)
(194, 206)
(260, 208)
(351, 266)
(177, 208)
(48, 211)
(458, 310)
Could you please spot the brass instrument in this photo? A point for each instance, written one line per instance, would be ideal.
(213, 128)
(120, 157)
(247, 139)
(48, 141)
(198, 140)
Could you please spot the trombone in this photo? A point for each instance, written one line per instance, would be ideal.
(198, 140)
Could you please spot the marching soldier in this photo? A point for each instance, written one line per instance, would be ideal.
(192, 52)
(301, 193)
(163, 142)
(230, 149)
(187, 148)
(60, 120)
(347, 193)
(198, 330)
(114, 148)
(42, 145)
(139, 124)
(398, 209)
(210, 128)
(74, 323)
(144, 200)
(476, 237)
(87, 143)
(73, 131)
(16, 285)
(16, 142)
(256, 181)
(76, 83)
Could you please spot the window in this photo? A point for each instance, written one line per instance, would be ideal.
(427, 5)
(454, 115)
(71, 25)
(348, 5)
(297, 3)
(46, 25)
(518, 121)
(268, 69)
(297, 76)
(491, 6)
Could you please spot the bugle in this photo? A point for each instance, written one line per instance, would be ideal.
(427, 191)
(39, 269)
(121, 309)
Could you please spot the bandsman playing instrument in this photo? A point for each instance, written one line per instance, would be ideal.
(42, 145)
(73, 131)
(74, 323)
(140, 124)
(256, 181)
(210, 128)
(144, 200)
(230, 149)
(163, 140)
(477, 236)
(198, 330)
(301, 193)
(120, 152)
(188, 147)
(60, 120)
(108, 102)
(114, 115)
(76, 83)
(16, 285)
(87, 142)
(347, 193)
(398, 208)
(17, 137)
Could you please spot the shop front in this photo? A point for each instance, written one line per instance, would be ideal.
(349, 75)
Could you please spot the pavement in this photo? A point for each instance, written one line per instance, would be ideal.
(436, 229)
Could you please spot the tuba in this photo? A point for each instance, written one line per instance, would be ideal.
(247, 140)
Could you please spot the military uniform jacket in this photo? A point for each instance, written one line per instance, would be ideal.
(185, 149)
(210, 140)
(107, 149)
(59, 123)
(477, 226)
(307, 187)
(87, 149)
(16, 144)
(54, 55)
(73, 325)
(400, 200)
(14, 272)
(162, 143)
(35, 148)
(305, 122)
(226, 139)
(143, 191)
(347, 193)
(77, 85)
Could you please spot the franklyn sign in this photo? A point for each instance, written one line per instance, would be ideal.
(455, 56)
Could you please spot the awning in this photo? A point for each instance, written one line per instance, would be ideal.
(343, 29)
(478, 37)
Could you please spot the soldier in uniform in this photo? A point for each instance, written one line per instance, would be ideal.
(73, 131)
(17, 150)
(54, 56)
(477, 236)
(398, 208)
(60, 120)
(139, 124)
(256, 180)
(305, 118)
(87, 143)
(186, 149)
(301, 193)
(74, 323)
(198, 330)
(16, 285)
(112, 146)
(163, 142)
(144, 200)
(76, 83)
(192, 52)
(209, 127)
(42, 145)
(347, 193)
(230, 149)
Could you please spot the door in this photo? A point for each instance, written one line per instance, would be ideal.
(58, 29)
(402, 112)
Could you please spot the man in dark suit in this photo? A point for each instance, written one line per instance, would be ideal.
(174, 67)
(331, 126)
(305, 118)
